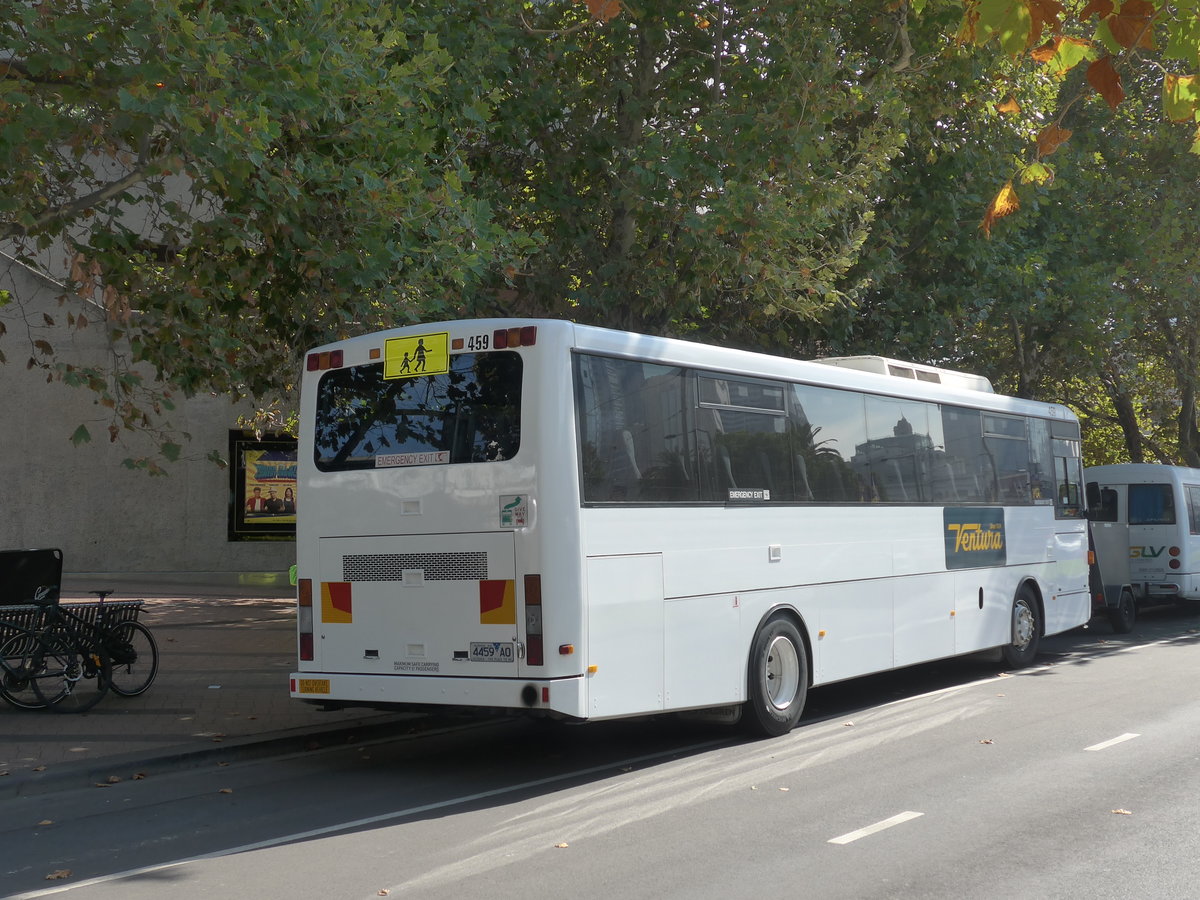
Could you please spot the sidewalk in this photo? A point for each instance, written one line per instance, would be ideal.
(222, 689)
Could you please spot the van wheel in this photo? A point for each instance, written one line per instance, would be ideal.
(1026, 631)
(1124, 614)
(777, 680)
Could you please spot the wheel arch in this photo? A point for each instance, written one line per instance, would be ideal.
(1039, 598)
(789, 612)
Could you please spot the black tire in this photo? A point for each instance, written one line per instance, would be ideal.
(72, 678)
(1123, 616)
(134, 656)
(776, 679)
(1026, 630)
(20, 661)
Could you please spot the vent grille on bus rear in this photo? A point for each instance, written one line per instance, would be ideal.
(468, 566)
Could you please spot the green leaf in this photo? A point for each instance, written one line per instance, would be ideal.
(1181, 97)
(81, 436)
(1007, 20)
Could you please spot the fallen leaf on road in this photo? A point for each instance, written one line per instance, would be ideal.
(1122, 812)
(114, 779)
(785, 789)
(987, 741)
(563, 846)
(138, 776)
(847, 724)
(59, 875)
(383, 892)
(39, 768)
(1004, 675)
(225, 791)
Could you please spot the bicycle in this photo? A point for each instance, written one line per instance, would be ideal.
(131, 648)
(53, 665)
(19, 658)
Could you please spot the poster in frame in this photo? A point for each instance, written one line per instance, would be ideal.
(262, 489)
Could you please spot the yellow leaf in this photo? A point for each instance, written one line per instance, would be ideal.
(1122, 812)
(1051, 138)
(1003, 204)
(604, 10)
(1009, 107)
(563, 846)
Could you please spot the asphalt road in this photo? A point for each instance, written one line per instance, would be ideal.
(1076, 778)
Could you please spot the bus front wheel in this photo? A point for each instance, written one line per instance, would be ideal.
(777, 680)
(1026, 630)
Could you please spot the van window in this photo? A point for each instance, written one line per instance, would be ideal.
(1151, 504)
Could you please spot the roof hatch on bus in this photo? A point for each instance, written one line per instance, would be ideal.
(881, 365)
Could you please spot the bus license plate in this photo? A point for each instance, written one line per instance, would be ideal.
(314, 685)
(493, 651)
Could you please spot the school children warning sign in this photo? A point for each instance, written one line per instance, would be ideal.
(424, 354)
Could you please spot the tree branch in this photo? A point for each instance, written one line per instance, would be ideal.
(67, 210)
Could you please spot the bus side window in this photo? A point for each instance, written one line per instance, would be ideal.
(1193, 502)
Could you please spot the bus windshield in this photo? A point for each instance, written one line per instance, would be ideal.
(472, 413)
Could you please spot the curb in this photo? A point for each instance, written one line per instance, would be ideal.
(91, 773)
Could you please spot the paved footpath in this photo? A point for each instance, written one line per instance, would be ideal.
(222, 689)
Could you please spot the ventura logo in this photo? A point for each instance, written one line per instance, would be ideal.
(971, 537)
(974, 537)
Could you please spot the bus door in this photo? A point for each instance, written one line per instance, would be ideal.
(1110, 531)
(1154, 538)
(431, 604)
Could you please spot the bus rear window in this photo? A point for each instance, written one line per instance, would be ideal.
(470, 414)
(1151, 504)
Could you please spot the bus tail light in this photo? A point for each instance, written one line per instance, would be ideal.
(534, 652)
(304, 617)
(331, 359)
(525, 336)
(1174, 551)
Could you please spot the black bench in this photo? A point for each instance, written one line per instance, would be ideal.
(24, 572)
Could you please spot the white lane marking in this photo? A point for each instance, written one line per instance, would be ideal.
(1104, 745)
(877, 827)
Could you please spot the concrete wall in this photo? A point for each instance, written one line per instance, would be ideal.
(105, 517)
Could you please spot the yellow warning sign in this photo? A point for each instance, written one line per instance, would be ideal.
(425, 354)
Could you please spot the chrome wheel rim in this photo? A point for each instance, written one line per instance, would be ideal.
(781, 672)
(1024, 624)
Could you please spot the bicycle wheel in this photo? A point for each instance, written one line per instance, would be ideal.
(19, 660)
(134, 656)
(73, 677)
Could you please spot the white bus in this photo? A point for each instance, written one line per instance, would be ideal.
(1146, 527)
(590, 524)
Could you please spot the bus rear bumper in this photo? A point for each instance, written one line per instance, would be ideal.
(566, 696)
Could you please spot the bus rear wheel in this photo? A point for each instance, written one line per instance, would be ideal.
(1026, 630)
(1123, 616)
(777, 679)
